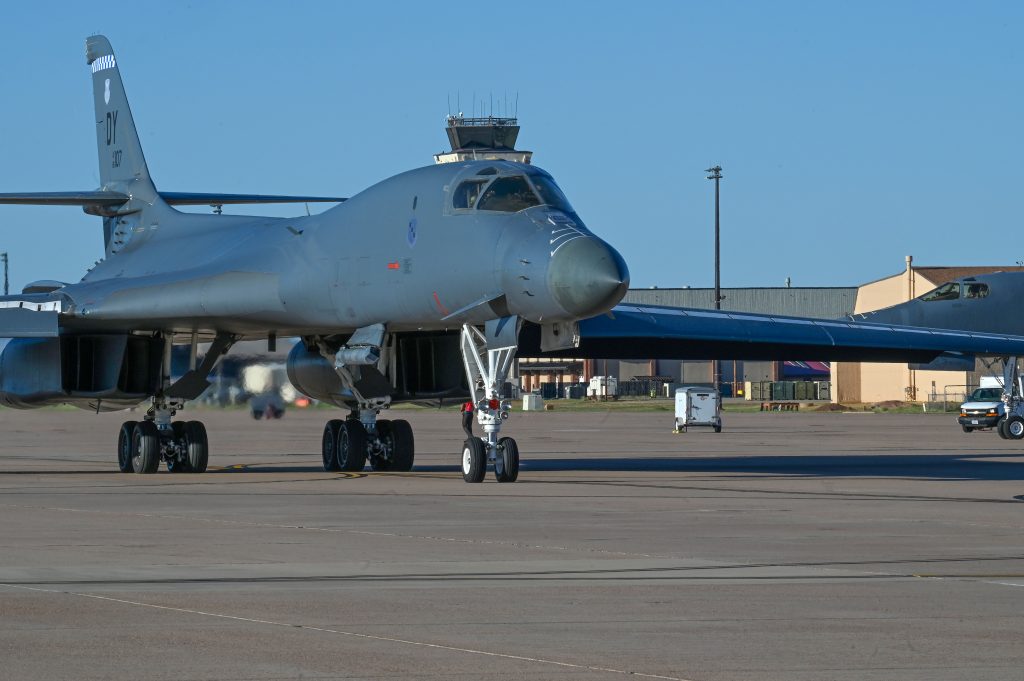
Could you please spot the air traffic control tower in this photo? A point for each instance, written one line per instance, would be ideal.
(482, 139)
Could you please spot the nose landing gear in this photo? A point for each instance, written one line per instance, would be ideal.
(487, 358)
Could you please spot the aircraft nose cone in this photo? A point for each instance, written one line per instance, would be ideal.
(587, 277)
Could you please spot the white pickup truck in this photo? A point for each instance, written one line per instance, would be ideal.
(984, 406)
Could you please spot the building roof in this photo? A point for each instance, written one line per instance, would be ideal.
(940, 275)
(816, 302)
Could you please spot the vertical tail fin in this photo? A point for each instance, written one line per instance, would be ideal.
(122, 164)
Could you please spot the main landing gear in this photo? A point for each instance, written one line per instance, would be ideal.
(348, 444)
(487, 358)
(181, 445)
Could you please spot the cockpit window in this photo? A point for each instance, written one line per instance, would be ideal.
(950, 291)
(550, 194)
(509, 195)
(488, 171)
(467, 193)
(975, 290)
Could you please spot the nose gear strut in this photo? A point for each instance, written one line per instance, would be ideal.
(487, 357)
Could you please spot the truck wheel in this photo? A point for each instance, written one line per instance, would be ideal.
(967, 429)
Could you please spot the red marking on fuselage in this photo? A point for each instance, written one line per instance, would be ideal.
(394, 266)
(440, 307)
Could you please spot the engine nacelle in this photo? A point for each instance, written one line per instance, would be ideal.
(313, 376)
(104, 372)
(424, 367)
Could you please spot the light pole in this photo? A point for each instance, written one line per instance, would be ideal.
(716, 175)
(3, 257)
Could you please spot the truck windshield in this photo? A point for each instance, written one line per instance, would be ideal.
(987, 395)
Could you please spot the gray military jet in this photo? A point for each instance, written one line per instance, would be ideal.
(419, 288)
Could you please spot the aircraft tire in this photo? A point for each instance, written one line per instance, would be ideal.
(1001, 429)
(124, 447)
(718, 427)
(350, 451)
(197, 446)
(405, 446)
(145, 448)
(1015, 427)
(329, 444)
(506, 465)
(474, 460)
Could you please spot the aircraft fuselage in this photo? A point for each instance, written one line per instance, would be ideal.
(398, 252)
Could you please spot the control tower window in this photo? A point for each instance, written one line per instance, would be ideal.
(509, 195)
(950, 291)
(975, 290)
(466, 194)
(550, 194)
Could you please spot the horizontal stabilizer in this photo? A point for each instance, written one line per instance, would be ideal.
(201, 199)
(102, 199)
(98, 198)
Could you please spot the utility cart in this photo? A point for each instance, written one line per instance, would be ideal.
(696, 406)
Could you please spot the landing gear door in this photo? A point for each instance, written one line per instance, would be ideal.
(502, 333)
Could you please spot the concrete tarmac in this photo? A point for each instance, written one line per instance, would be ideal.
(790, 546)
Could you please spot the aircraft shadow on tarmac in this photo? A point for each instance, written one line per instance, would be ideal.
(993, 465)
(975, 466)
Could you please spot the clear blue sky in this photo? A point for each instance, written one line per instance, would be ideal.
(851, 133)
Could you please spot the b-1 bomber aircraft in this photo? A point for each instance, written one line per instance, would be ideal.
(421, 288)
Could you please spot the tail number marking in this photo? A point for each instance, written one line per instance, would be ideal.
(112, 127)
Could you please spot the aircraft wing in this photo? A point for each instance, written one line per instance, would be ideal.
(632, 331)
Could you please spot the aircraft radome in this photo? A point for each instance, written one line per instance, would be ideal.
(419, 288)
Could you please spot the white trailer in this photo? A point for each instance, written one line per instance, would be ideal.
(697, 406)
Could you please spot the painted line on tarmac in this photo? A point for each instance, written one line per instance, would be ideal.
(355, 634)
